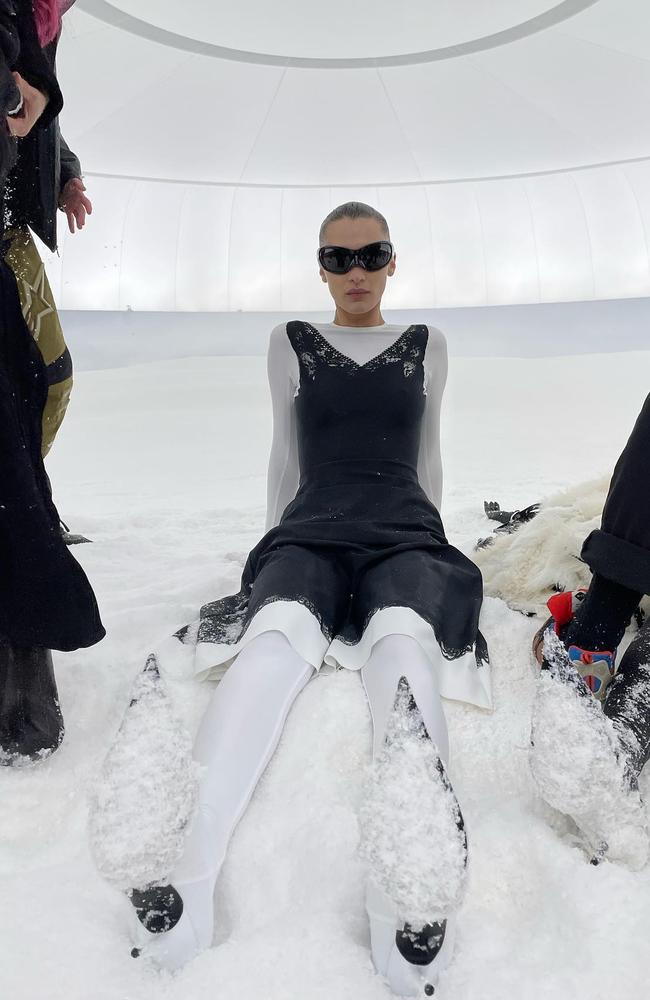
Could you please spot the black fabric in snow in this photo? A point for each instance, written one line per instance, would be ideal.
(620, 548)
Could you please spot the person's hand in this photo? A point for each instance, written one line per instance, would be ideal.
(33, 105)
(75, 204)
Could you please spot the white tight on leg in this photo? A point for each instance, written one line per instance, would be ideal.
(397, 656)
(394, 657)
(236, 739)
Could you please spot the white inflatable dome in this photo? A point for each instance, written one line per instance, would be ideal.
(507, 143)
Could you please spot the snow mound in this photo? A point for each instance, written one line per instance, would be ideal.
(410, 818)
(577, 764)
(147, 791)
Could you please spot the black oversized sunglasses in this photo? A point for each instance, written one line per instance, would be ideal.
(339, 260)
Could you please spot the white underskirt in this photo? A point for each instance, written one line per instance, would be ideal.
(459, 679)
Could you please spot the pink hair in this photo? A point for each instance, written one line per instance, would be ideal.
(47, 14)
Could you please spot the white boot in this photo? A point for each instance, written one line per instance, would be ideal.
(414, 841)
(191, 931)
(405, 977)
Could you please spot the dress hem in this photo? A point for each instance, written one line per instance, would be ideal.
(459, 679)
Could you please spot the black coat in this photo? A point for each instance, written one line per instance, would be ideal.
(20, 50)
(9, 51)
(44, 165)
(45, 597)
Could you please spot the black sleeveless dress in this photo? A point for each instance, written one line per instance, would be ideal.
(361, 551)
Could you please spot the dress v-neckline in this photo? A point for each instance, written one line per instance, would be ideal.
(370, 361)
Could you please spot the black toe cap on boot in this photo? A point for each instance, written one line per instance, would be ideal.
(421, 947)
(159, 908)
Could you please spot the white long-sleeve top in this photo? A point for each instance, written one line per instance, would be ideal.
(361, 344)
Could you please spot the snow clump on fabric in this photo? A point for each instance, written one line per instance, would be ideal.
(147, 791)
(412, 836)
(578, 766)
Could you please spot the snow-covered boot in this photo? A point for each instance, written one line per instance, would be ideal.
(413, 840)
(147, 791)
(563, 607)
(31, 723)
(578, 764)
(597, 668)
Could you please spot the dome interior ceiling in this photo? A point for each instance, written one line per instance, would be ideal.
(572, 95)
(507, 142)
(338, 29)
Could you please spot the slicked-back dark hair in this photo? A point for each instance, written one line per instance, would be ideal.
(352, 210)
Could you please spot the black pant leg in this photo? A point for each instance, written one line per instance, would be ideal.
(620, 549)
(627, 702)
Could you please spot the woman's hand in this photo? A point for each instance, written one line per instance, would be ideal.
(33, 105)
(75, 204)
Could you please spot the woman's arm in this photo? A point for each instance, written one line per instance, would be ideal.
(284, 471)
(429, 458)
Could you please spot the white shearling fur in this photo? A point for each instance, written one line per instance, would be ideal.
(524, 568)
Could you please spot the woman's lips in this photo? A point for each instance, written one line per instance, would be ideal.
(357, 292)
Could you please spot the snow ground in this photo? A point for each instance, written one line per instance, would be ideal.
(163, 465)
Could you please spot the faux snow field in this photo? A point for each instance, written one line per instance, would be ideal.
(163, 466)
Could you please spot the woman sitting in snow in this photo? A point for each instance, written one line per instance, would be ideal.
(354, 572)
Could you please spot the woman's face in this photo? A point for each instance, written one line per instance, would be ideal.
(355, 233)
